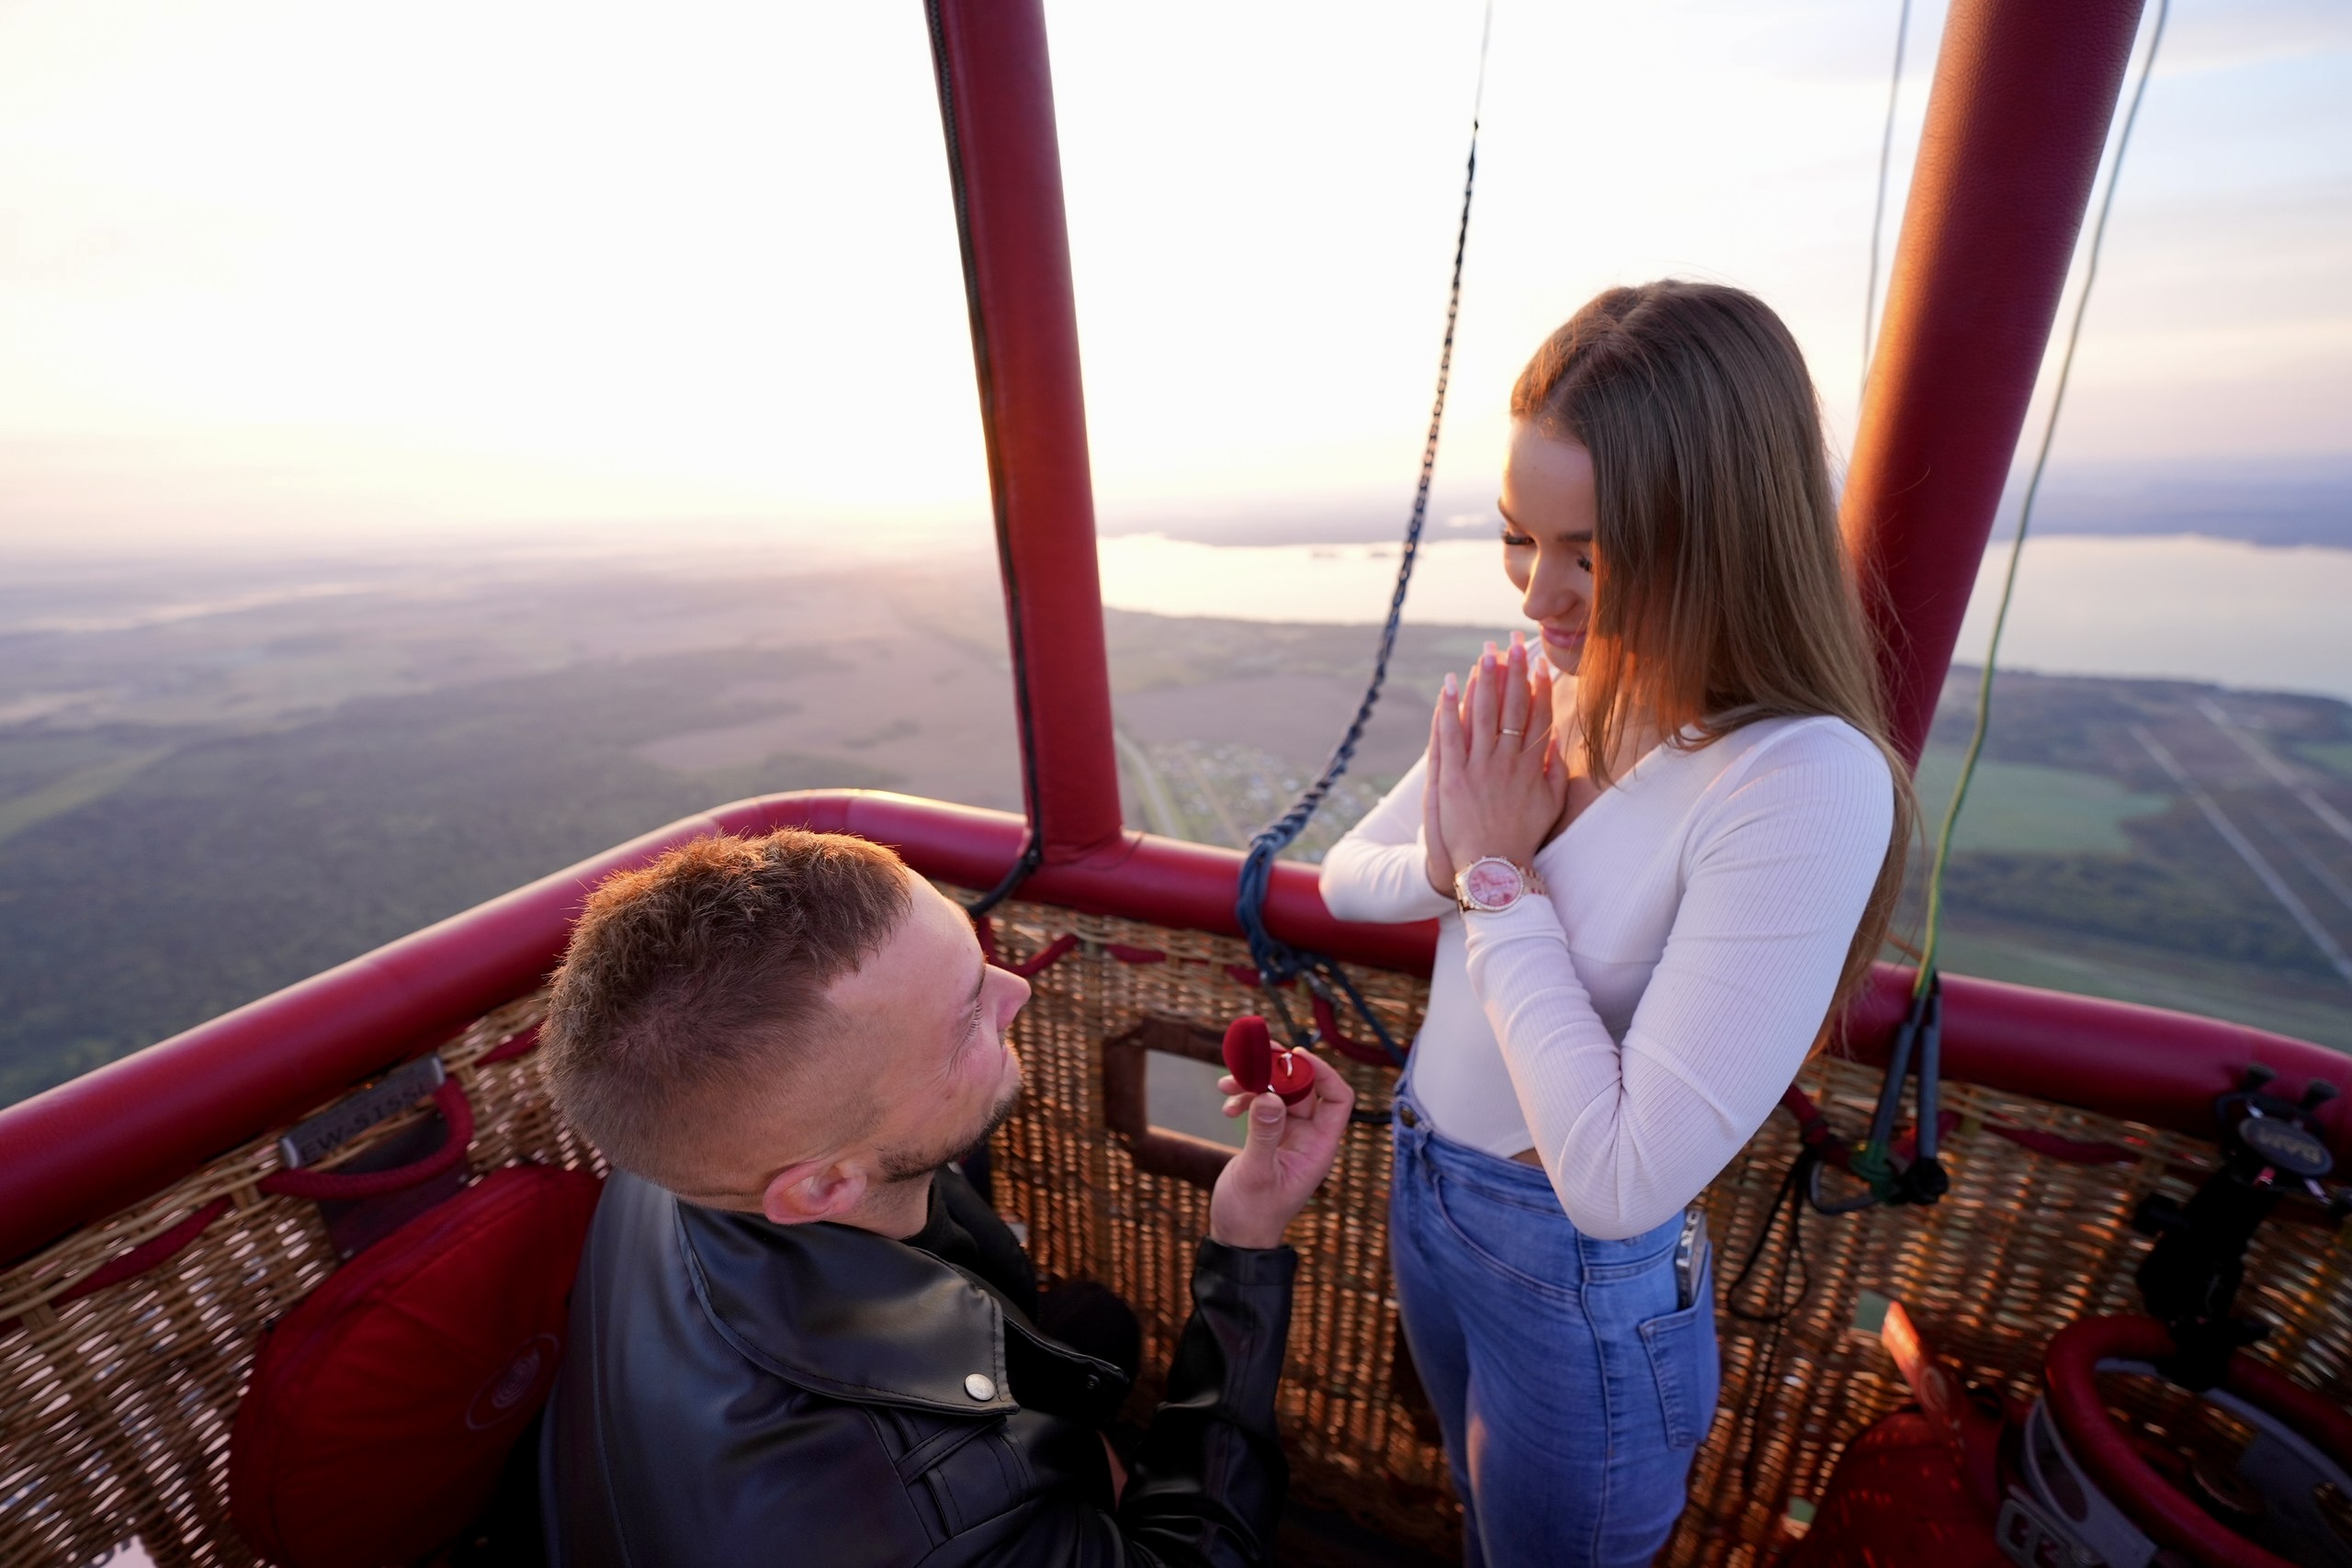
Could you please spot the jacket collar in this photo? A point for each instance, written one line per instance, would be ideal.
(852, 1315)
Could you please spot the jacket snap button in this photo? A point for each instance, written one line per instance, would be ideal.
(1405, 1114)
(979, 1387)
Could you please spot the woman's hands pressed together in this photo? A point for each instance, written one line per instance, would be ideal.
(1498, 779)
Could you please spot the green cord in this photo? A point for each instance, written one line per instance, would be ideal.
(2025, 517)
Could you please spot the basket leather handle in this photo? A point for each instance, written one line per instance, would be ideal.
(339, 1185)
(156, 1250)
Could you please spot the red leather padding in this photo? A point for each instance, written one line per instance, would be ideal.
(119, 1135)
(381, 1408)
(996, 93)
(1898, 1500)
(2070, 1370)
(2024, 97)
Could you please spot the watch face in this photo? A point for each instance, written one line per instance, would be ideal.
(1493, 883)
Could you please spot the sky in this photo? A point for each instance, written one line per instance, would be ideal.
(276, 270)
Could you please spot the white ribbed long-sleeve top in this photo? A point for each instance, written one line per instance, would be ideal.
(1636, 1027)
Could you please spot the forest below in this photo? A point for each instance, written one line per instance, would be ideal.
(199, 805)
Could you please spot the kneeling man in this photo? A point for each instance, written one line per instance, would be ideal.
(796, 1338)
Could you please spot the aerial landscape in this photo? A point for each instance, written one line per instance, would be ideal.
(209, 790)
(309, 638)
(447, 452)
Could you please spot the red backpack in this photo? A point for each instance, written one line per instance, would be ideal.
(383, 1407)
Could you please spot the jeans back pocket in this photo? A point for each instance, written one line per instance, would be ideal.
(1683, 1359)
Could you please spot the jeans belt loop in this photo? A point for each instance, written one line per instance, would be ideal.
(1412, 1122)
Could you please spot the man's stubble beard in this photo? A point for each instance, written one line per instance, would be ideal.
(899, 1166)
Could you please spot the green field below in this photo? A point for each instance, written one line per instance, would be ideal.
(2088, 966)
(2336, 757)
(198, 810)
(73, 792)
(2025, 808)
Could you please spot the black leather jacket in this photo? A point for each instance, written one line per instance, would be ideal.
(740, 1392)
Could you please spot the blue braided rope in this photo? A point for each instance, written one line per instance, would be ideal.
(1277, 962)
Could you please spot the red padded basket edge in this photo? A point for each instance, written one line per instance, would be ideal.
(115, 1135)
(2070, 1373)
(382, 1407)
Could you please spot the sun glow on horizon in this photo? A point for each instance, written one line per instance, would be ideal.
(269, 268)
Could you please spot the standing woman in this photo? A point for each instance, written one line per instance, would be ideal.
(1662, 853)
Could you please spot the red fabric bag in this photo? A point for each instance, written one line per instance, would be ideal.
(1897, 1499)
(382, 1407)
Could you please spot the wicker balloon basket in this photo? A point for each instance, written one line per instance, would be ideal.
(123, 1348)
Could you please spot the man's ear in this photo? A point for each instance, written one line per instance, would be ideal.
(825, 1188)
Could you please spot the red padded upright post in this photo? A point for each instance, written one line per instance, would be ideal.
(996, 101)
(2023, 95)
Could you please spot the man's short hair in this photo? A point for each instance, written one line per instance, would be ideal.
(695, 984)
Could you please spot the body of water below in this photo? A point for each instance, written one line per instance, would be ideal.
(2178, 607)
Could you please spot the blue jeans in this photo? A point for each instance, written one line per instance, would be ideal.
(1570, 1389)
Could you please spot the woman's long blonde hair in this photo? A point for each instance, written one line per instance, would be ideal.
(1723, 593)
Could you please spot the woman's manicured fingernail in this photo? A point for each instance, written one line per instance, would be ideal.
(1450, 688)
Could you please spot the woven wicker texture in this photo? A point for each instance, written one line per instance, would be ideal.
(1353, 1443)
(2023, 1243)
(115, 1409)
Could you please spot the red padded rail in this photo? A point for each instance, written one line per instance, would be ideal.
(2121, 1059)
(113, 1136)
(110, 1138)
(2023, 95)
(1165, 881)
(2070, 1371)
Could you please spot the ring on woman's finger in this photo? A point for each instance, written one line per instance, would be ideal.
(1514, 734)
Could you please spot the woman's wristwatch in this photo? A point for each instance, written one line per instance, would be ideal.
(1490, 884)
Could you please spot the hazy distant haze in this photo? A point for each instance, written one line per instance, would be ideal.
(272, 271)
